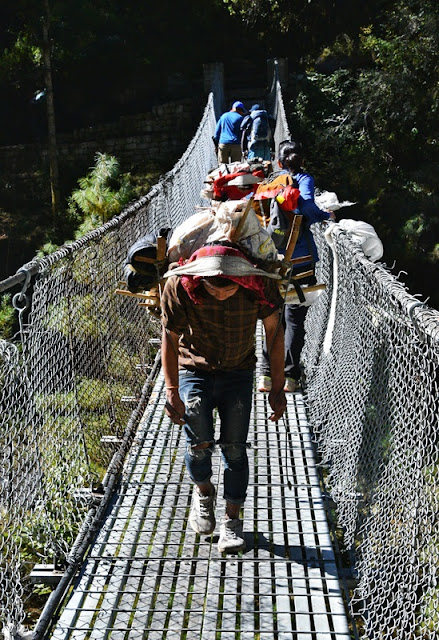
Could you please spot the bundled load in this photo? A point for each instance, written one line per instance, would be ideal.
(145, 265)
(237, 222)
(235, 180)
(234, 221)
(329, 201)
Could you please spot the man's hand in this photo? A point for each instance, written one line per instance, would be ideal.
(174, 407)
(278, 403)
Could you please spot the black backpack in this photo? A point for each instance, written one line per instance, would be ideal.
(142, 269)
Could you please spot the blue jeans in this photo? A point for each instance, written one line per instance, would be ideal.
(231, 393)
(259, 150)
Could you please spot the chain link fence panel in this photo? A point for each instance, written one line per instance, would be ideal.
(69, 388)
(372, 359)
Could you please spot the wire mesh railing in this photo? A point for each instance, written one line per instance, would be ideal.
(73, 390)
(76, 379)
(372, 362)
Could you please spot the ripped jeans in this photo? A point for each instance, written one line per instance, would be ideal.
(231, 393)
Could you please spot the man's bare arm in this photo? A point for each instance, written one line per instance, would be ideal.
(174, 406)
(274, 334)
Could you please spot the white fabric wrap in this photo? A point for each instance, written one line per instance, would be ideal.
(362, 234)
(209, 266)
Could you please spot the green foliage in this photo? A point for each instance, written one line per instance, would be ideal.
(94, 409)
(371, 133)
(94, 395)
(300, 30)
(83, 306)
(7, 317)
(119, 362)
(252, 11)
(21, 54)
(103, 192)
(86, 226)
(47, 249)
(429, 614)
(405, 39)
(21, 61)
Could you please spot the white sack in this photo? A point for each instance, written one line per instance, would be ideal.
(214, 225)
(363, 234)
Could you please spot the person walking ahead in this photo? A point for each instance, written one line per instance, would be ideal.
(291, 161)
(209, 317)
(227, 138)
(257, 134)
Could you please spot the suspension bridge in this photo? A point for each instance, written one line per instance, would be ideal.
(92, 485)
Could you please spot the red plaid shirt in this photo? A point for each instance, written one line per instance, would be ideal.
(216, 335)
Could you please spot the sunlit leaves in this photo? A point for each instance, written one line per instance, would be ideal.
(103, 191)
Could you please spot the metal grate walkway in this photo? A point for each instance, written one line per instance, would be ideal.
(149, 576)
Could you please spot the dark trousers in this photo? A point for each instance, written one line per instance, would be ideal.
(293, 320)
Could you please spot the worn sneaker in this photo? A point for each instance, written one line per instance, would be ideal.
(264, 383)
(202, 513)
(231, 538)
(290, 385)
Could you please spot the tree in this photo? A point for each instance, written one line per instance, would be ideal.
(372, 132)
(102, 192)
(25, 62)
(108, 58)
(7, 317)
(299, 29)
(51, 126)
(405, 51)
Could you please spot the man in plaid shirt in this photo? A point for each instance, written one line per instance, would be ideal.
(210, 307)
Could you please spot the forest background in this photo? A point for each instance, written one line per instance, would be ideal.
(362, 95)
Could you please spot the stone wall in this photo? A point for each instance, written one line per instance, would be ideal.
(160, 134)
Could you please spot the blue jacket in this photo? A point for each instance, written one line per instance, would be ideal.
(228, 128)
(311, 213)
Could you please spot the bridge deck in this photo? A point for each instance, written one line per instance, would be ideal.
(150, 576)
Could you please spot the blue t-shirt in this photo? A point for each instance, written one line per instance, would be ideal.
(228, 128)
